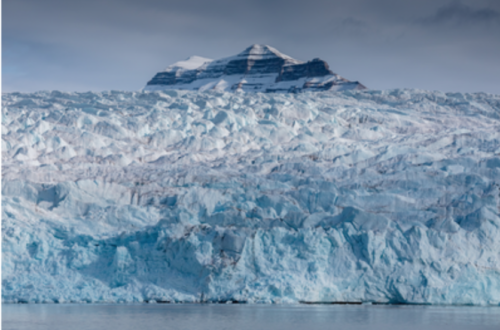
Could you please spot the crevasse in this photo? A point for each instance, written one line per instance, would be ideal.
(359, 196)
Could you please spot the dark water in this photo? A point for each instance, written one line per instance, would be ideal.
(289, 317)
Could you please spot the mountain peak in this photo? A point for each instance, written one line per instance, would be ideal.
(257, 51)
(258, 68)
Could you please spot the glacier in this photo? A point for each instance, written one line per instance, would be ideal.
(181, 196)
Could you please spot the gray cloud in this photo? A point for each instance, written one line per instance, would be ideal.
(458, 13)
(352, 27)
(120, 44)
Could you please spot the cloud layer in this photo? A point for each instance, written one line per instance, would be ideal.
(119, 44)
(460, 14)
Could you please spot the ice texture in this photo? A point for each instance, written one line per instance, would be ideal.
(359, 196)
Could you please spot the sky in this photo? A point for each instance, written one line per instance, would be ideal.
(98, 45)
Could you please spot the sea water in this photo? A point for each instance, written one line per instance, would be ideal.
(218, 316)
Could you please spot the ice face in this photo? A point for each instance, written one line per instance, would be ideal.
(373, 196)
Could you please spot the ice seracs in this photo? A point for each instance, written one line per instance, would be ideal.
(259, 68)
(359, 196)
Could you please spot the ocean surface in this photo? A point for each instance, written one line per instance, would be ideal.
(220, 317)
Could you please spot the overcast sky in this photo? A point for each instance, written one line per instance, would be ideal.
(100, 45)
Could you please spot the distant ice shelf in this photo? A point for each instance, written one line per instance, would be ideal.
(176, 196)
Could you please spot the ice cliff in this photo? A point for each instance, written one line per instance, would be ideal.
(358, 196)
(259, 68)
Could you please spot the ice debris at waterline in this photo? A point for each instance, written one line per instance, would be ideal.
(359, 196)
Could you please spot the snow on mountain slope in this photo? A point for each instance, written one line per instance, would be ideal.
(360, 196)
(193, 62)
(259, 68)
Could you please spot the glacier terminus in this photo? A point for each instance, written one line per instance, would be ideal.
(204, 195)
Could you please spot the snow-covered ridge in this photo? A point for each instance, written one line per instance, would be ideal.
(261, 52)
(259, 68)
(373, 196)
(193, 62)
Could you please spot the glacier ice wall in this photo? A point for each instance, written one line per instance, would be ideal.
(372, 196)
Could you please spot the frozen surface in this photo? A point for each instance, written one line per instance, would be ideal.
(356, 196)
(193, 62)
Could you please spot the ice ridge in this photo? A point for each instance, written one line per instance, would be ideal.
(176, 196)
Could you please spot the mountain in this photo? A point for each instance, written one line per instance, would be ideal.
(259, 68)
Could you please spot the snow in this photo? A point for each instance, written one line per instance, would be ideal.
(201, 74)
(251, 83)
(260, 52)
(191, 63)
(354, 196)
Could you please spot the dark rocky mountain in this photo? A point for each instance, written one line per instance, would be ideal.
(259, 68)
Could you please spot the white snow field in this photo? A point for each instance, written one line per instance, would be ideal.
(177, 196)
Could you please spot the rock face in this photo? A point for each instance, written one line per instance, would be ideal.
(258, 68)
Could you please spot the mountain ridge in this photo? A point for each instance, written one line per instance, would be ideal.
(259, 68)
